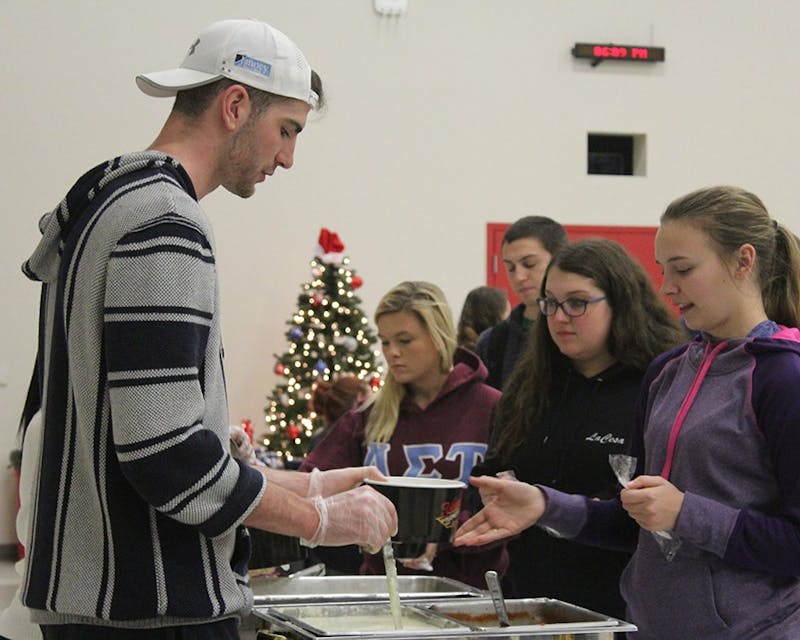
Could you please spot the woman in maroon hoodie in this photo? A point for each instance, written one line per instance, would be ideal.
(431, 418)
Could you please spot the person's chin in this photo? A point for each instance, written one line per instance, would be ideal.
(405, 379)
(566, 347)
(690, 317)
(241, 190)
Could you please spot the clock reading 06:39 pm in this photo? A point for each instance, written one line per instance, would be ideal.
(597, 52)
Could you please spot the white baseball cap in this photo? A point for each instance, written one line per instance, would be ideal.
(247, 51)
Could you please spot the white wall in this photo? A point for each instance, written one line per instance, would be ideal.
(459, 113)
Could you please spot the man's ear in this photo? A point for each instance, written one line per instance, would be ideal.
(234, 107)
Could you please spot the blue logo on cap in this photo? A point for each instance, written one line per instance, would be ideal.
(251, 64)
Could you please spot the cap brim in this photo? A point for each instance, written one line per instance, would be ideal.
(163, 84)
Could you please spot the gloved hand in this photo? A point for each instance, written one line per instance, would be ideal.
(241, 447)
(423, 562)
(360, 516)
(327, 483)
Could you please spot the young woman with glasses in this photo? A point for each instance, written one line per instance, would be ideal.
(570, 403)
(716, 439)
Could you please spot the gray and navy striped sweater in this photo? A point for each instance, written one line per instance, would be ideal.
(138, 501)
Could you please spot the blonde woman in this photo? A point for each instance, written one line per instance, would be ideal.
(431, 418)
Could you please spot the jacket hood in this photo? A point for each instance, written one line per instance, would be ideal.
(55, 226)
(467, 368)
(787, 339)
(786, 333)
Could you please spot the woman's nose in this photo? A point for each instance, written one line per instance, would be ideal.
(667, 286)
(563, 317)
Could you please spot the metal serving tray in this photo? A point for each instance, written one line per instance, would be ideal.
(528, 616)
(361, 619)
(322, 589)
(462, 619)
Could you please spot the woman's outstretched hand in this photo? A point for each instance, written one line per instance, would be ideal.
(509, 507)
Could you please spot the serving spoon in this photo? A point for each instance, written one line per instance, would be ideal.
(499, 603)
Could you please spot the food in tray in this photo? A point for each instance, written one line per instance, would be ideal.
(356, 619)
(524, 612)
(332, 625)
(489, 619)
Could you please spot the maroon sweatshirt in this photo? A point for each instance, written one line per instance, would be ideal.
(443, 440)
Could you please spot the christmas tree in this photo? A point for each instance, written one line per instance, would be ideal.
(328, 336)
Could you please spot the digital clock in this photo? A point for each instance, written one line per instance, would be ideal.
(597, 52)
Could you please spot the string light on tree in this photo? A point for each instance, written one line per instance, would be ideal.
(328, 335)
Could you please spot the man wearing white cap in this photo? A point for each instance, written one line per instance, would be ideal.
(138, 506)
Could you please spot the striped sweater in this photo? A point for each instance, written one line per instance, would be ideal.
(138, 502)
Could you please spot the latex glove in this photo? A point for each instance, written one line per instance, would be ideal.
(327, 483)
(241, 446)
(425, 561)
(360, 516)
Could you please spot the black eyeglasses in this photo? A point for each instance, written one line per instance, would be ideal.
(573, 307)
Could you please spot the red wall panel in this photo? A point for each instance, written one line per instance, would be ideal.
(637, 240)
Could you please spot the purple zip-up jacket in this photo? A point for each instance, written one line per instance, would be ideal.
(735, 574)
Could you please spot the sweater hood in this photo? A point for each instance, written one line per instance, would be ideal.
(786, 339)
(468, 368)
(44, 263)
(787, 333)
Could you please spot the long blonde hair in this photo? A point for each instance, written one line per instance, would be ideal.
(428, 303)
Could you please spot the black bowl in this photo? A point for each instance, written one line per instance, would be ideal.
(269, 549)
(427, 508)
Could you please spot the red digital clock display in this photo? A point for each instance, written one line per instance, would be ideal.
(600, 52)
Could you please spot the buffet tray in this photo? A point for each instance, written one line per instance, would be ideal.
(462, 619)
(527, 615)
(322, 589)
(360, 619)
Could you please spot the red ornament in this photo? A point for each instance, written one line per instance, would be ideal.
(292, 430)
(356, 281)
(329, 241)
(375, 382)
(247, 425)
(279, 369)
(317, 299)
